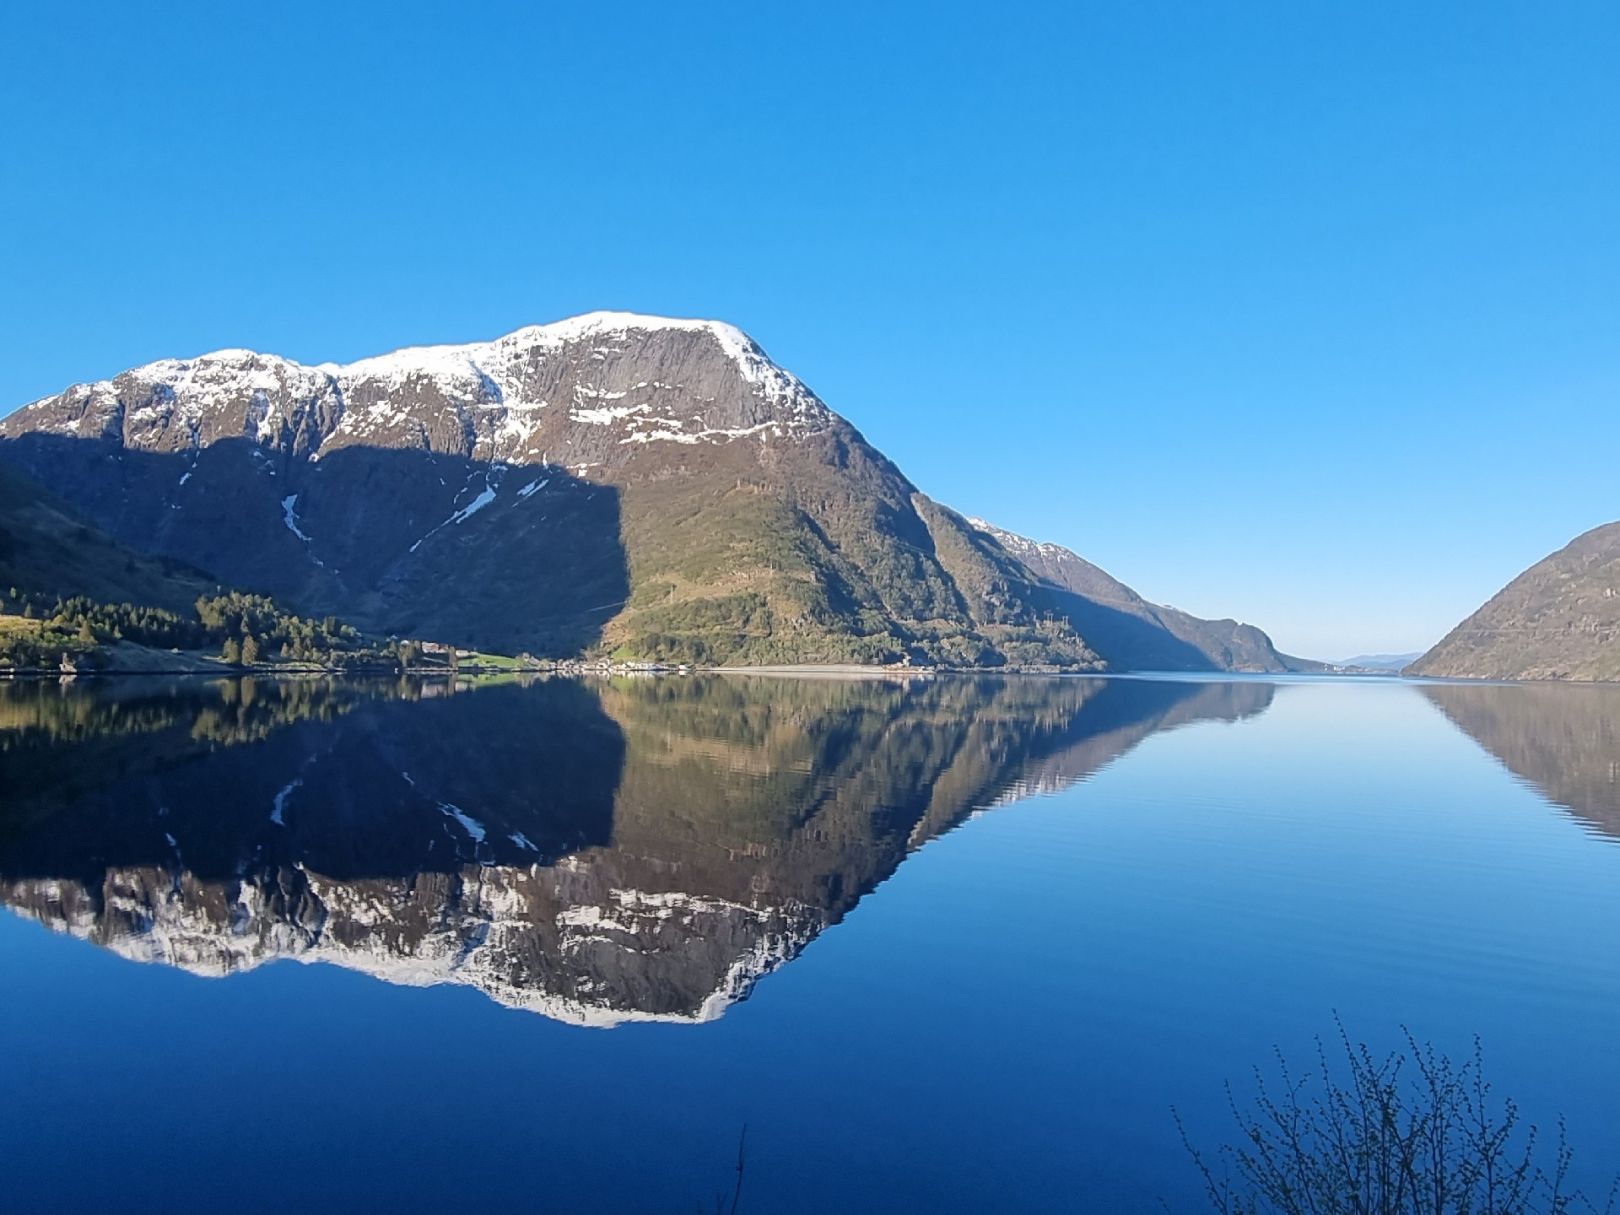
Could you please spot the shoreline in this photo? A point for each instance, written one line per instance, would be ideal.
(817, 671)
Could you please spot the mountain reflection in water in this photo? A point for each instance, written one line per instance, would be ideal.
(1564, 739)
(600, 852)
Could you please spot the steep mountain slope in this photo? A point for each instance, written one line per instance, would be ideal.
(1130, 632)
(48, 551)
(1560, 619)
(610, 483)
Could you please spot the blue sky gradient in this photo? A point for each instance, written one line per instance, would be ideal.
(1302, 313)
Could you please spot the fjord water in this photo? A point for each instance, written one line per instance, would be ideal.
(950, 944)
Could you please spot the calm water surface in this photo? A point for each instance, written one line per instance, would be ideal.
(943, 945)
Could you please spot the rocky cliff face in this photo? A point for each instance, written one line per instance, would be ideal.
(634, 850)
(612, 482)
(1560, 619)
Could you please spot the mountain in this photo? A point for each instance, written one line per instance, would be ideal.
(49, 551)
(1127, 630)
(611, 483)
(1379, 662)
(1560, 619)
(625, 850)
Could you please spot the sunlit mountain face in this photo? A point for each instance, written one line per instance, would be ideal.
(598, 852)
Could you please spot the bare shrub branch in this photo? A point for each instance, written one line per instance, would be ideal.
(1412, 1133)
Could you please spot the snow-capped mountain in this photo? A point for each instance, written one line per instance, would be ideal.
(612, 481)
(570, 394)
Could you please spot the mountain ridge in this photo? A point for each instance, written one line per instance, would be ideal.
(1117, 619)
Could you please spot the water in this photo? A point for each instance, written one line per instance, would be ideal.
(941, 945)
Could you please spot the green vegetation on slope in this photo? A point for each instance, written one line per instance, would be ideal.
(826, 554)
(241, 629)
(67, 589)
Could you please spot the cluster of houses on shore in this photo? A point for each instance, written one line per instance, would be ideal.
(439, 654)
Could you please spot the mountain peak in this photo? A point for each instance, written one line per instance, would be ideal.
(737, 346)
(455, 361)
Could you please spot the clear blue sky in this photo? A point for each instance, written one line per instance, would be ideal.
(1304, 313)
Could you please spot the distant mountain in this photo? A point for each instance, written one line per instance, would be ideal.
(1130, 632)
(615, 483)
(1380, 662)
(1560, 619)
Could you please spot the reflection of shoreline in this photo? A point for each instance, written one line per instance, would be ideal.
(879, 674)
(1564, 739)
(598, 851)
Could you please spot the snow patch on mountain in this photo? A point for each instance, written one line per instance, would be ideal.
(484, 498)
(492, 485)
(672, 433)
(1019, 546)
(605, 415)
(475, 830)
(289, 514)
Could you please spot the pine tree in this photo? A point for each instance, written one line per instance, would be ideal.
(250, 650)
(231, 652)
